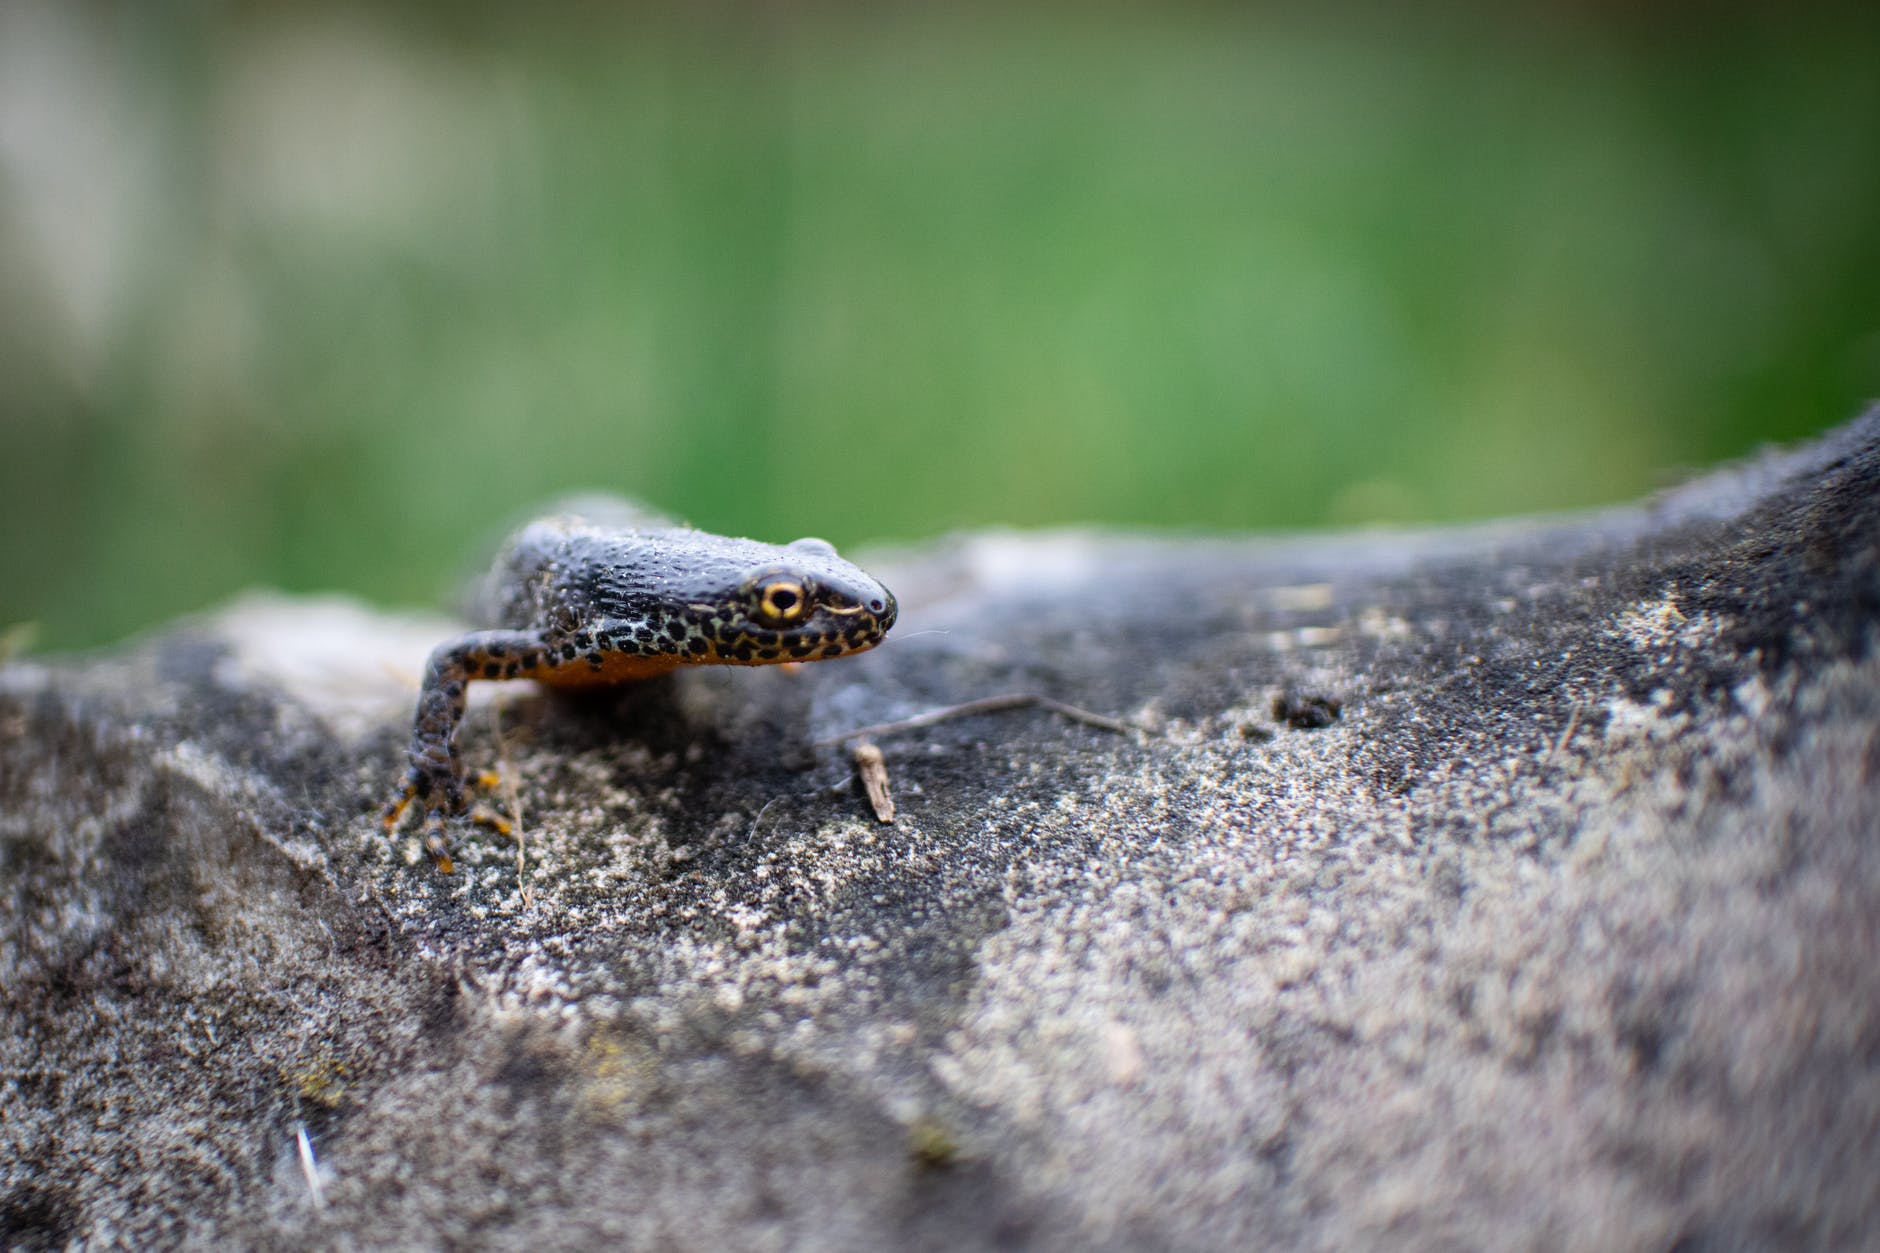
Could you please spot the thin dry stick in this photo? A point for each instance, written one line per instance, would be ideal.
(508, 776)
(873, 767)
(985, 705)
(752, 833)
(309, 1166)
(1573, 720)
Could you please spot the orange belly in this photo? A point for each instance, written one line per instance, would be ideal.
(615, 668)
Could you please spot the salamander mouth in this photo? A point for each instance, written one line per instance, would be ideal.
(826, 634)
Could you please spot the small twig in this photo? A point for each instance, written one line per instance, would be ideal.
(510, 794)
(873, 767)
(752, 833)
(1573, 720)
(309, 1167)
(985, 705)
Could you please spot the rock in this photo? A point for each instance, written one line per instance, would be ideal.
(1510, 885)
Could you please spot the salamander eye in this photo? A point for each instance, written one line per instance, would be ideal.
(780, 601)
(809, 544)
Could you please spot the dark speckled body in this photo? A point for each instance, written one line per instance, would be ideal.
(609, 594)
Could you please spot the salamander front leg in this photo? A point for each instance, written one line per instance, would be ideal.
(435, 777)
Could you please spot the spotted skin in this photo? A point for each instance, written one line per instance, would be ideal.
(609, 595)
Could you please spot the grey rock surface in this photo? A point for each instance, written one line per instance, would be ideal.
(1511, 886)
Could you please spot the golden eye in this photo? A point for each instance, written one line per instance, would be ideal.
(782, 601)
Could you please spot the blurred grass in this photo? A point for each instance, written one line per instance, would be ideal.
(317, 297)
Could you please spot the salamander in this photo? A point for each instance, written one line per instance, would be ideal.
(608, 594)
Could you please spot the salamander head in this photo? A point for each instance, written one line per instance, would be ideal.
(708, 599)
(625, 603)
(806, 603)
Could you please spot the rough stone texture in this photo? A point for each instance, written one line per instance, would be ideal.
(1513, 886)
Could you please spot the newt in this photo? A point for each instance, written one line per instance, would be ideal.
(610, 594)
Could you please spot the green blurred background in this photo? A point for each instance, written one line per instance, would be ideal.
(314, 296)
